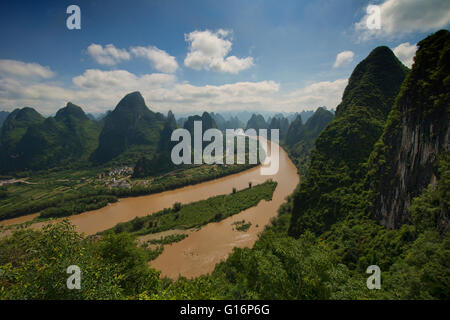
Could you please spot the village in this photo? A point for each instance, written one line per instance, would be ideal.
(117, 177)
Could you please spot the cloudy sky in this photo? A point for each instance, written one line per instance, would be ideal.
(194, 55)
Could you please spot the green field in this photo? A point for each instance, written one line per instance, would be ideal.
(64, 193)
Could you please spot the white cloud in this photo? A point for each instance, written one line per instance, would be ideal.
(233, 96)
(100, 79)
(22, 69)
(208, 50)
(46, 98)
(343, 57)
(94, 90)
(108, 55)
(400, 17)
(100, 90)
(405, 52)
(324, 93)
(159, 59)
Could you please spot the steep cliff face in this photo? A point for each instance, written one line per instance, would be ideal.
(404, 161)
(332, 190)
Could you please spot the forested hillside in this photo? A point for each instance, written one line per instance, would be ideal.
(71, 139)
(129, 130)
(32, 142)
(13, 129)
(329, 194)
(333, 236)
(300, 138)
(416, 137)
(70, 136)
(158, 162)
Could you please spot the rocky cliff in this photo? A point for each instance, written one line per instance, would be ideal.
(404, 161)
(331, 191)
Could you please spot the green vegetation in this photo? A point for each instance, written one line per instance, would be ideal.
(197, 214)
(428, 85)
(15, 127)
(257, 122)
(206, 119)
(277, 267)
(66, 146)
(34, 265)
(332, 189)
(168, 239)
(414, 260)
(158, 164)
(32, 143)
(330, 212)
(325, 235)
(281, 123)
(242, 226)
(76, 205)
(130, 124)
(152, 254)
(71, 140)
(48, 189)
(300, 137)
(161, 161)
(222, 124)
(329, 215)
(63, 193)
(3, 192)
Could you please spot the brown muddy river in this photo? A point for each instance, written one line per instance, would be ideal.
(198, 253)
(203, 249)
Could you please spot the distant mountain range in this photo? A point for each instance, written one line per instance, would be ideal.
(98, 116)
(245, 115)
(129, 133)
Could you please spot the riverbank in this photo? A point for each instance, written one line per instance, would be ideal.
(199, 253)
(202, 249)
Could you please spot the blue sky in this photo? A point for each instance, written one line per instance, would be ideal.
(199, 55)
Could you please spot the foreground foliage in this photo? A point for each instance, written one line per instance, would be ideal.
(34, 264)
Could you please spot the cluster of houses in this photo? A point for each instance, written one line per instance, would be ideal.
(113, 183)
(120, 171)
(118, 177)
